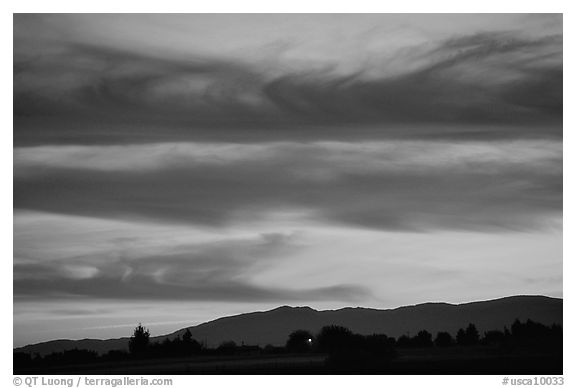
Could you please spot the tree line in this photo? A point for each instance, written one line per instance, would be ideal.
(340, 343)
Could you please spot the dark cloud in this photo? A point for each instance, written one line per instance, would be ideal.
(218, 271)
(462, 86)
(86, 94)
(321, 183)
(143, 288)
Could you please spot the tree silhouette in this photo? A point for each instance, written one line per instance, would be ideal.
(189, 344)
(472, 335)
(422, 339)
(299, 341)
(346, 351)
(403, 341)
(443, 339)
(469, 336)
(140, 340)
(461, 337)
(533, 335)
(334, 338)
(187, 337)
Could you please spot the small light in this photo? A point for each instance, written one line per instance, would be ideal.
(309, 340)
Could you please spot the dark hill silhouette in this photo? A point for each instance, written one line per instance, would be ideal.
(98, 345)
(274, 326)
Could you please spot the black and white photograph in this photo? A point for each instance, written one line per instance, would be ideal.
(288, 194)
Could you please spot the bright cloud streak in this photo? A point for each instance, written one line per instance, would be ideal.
(343, 157)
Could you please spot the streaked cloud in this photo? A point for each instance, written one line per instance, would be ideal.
(84, 93)
(331, 156)
(210, 271)
(396, 185)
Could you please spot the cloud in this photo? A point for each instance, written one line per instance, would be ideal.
(494, 82)
(488, 78)
(325, 157)
(401, 185)
(217, 271)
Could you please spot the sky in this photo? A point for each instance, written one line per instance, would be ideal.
(171, 169)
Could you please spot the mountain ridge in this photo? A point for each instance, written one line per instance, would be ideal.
(273, 326)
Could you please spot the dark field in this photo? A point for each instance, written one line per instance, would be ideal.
(453, 360)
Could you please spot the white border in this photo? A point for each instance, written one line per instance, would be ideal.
(294, 6)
